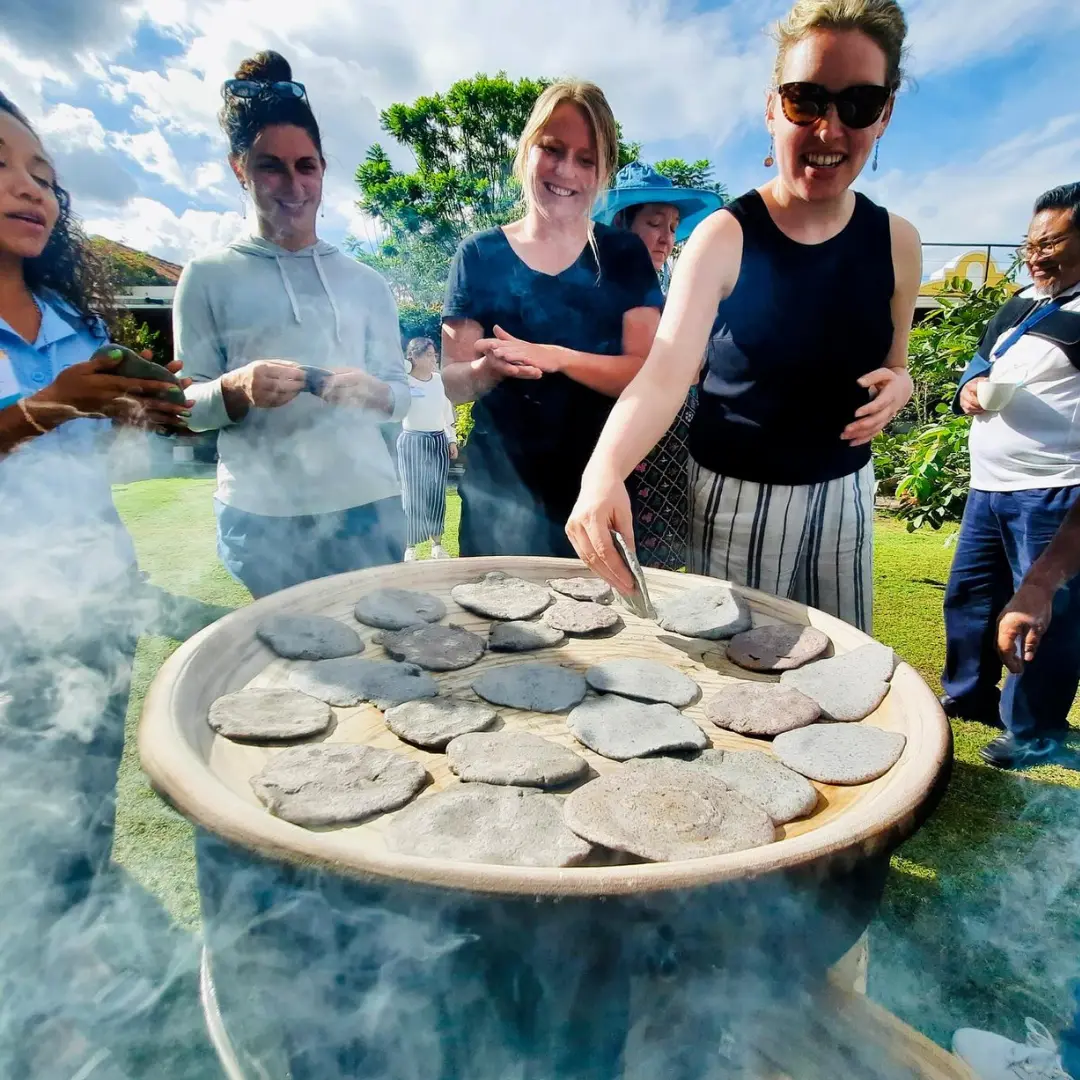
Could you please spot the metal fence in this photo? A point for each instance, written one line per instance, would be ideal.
(979, 263)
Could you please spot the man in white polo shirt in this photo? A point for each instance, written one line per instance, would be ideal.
(1023, 390)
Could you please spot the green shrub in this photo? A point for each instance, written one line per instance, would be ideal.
(923, 456)
(463, 422)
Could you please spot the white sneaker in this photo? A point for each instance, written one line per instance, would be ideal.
(439, 552)
(410, 555)
(993, 1057)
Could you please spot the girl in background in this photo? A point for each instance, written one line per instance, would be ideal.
(651, 206)
(306, 484)
(426, 446)
(545, 321)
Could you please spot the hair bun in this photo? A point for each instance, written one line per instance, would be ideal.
(266, 66)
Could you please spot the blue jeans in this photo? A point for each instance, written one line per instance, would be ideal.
(271, 553)
(1002, 534)
(1070, 1039)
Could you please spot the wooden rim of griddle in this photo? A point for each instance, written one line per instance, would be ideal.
(175, 743)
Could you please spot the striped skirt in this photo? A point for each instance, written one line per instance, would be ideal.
(812, 543)
(424, 465)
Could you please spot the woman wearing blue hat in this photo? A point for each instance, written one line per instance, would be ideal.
(650, 205)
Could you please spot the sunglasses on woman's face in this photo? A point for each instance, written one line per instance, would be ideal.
(253, 88)
(806, 103)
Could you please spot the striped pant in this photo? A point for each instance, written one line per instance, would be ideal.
(813, 543)
(424, 464)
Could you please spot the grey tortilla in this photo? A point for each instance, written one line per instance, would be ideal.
(488, 824)
(781, 792)
(663, 810)
(586, 589)
(840, 753)
(760, 708)
(349, 681)
(516, 758)
(261, 714)
(309, 637)
(435, 647)
(522, 636)
(643, 680)
(546, 688)
(433, 722)
(500, 596)
(395, 609)
(777, 647)
(576, 617)
(849, 687)
(713, 613)
(336, 783)
(621, 729)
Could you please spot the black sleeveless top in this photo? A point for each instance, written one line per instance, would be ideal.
(803, 323)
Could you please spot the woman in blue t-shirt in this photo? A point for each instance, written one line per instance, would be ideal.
(546, 320)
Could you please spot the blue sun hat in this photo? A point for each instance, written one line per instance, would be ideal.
(638, 183)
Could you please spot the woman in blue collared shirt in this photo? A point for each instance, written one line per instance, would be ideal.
(67, 565)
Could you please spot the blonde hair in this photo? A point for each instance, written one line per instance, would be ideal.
(589, 98)
(880, 20)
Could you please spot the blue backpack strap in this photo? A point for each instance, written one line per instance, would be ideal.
(1010, 314)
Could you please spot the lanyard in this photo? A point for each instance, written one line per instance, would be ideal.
(1033, 319)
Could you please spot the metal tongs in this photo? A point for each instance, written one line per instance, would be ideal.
(638, 601)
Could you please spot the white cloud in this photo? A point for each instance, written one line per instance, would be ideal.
(949, 34)
(66, 127)
(987, 198)
(151, 226)
(152, 151)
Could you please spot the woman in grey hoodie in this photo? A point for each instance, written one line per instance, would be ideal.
(306, 484)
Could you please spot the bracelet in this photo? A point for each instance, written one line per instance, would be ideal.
(25, 410)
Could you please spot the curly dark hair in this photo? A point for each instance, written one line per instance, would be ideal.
(242, 119)
(68, 266)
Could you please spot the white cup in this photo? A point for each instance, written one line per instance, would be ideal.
(994, 396)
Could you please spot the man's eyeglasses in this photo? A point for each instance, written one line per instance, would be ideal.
(255, 88)
(1034, 249)
(805, 103)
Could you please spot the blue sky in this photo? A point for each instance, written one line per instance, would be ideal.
(125, 96)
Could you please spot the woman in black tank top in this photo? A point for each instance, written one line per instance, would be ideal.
(803, 293)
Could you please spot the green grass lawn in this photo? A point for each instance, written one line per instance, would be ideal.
(979, 924)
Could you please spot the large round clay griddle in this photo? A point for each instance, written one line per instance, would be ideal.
(206, 777)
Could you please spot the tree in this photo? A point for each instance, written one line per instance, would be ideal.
(923, 455)
(692, 174)
(463, 144)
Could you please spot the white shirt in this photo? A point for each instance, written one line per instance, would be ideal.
(1034, 442)
(430, 409)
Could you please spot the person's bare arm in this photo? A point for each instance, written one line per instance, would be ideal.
(892, 382)
(1027, 615)
(469, 373)
(705, 274)
(604, 373)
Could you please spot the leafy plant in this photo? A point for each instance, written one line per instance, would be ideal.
(463, 422)
(137, 336)
(923, 457)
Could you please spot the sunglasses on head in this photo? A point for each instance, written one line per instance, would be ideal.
(253, 88)
(805, 103)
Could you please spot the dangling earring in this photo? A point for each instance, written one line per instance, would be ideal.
(877, 147)
(770, 157)
(243, 200)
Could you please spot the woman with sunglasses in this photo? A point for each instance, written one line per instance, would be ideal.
(803, 292)
(295, 353)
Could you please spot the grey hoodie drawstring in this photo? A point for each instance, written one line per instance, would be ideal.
(289, 289)
(329, 296)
